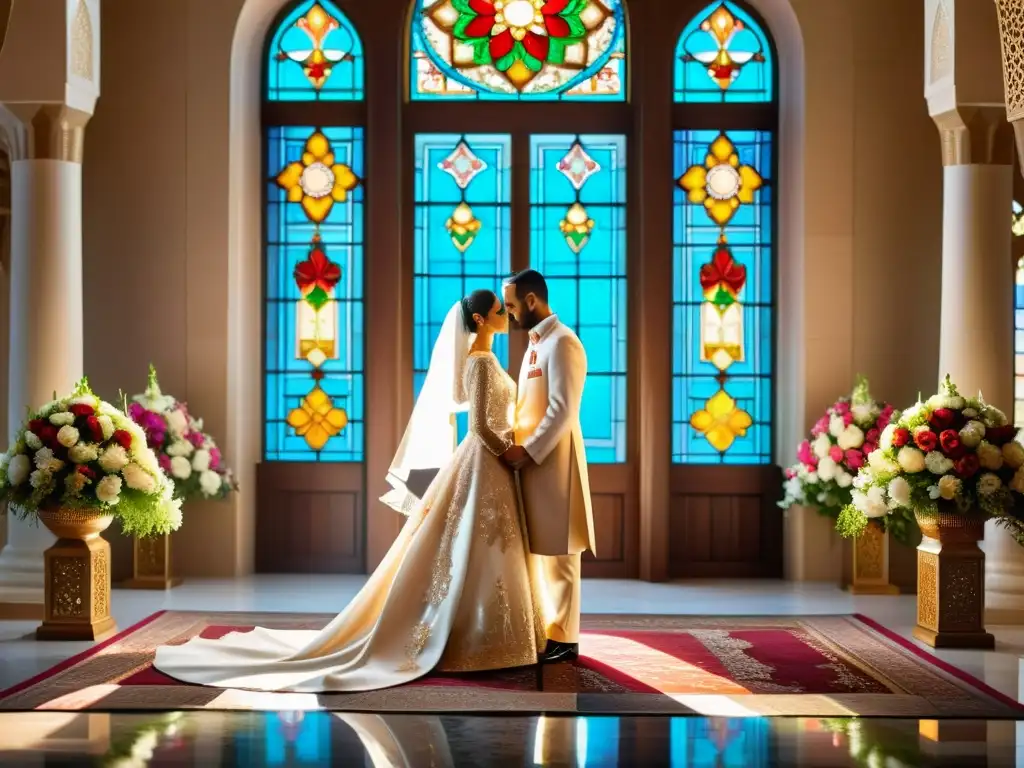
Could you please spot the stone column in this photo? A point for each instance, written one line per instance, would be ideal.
(49, 82)
(965, 98)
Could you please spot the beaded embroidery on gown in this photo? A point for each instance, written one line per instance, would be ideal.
(453, 593)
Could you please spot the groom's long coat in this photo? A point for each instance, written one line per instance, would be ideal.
(556, 489)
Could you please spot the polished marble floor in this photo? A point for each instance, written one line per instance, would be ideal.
(255, 740)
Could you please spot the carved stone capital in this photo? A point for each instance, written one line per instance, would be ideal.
(46, 132)
(975, 135)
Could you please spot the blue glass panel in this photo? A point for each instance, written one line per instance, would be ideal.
(700, 742)
(288, 374)
(597, 742)
(432, 76)
(328, 48)
(588, 288)
(748, 380)
(1018, 338)
(748, 67)
(442, 274)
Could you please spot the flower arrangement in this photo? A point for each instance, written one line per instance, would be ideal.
(839, 445)
(81, 453)
(948, 450)
(188, 455)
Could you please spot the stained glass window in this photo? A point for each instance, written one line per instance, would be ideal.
(722, 742)
(518, 49)
(1017, 228)
(722, 361)
(313, 316)
(462, 230)
(315, 55)
(578, 241)
(723, 56)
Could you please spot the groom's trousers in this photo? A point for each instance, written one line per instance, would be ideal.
(559, 576)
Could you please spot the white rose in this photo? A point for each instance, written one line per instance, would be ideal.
(108, 489)
(836, 425)
(138, 478)
(899, 491)
(812, 477)
(75, 482)
(62, 419)
(827, 469)
(18, 469)
(875, 503)
(106, 425)
(177, 422)
(822, 445)
(40, 478)
(970, 413)
(67, 436)
(949, 487)
(885, 441)
(938, 464)
(881, 463)
(32, 440)
(113, 459)
(843, 478)
(83, 453)
(863, 414)
(989, 484)
(910, 459)
(209, 482)
(1016, 484)
(180, 448)
(989, 456)
(1013, 454)
(851, 437)
(181, 468)
(992, 416)
(46, 461)
(201, 460)
(972, 436)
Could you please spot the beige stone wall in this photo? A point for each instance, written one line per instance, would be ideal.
(157, 217)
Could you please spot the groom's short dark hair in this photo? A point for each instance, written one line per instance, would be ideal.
(530, 281)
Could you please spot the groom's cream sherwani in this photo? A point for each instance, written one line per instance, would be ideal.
(556, 489)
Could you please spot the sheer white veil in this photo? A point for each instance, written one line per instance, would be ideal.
(430, 437)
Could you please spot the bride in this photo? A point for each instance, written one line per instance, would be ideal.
(454, 591)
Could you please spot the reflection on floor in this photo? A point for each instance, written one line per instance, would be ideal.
(255, 740)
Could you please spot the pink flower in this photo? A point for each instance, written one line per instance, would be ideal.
(196, 438)
(872, 436)
(790, 473)
(868, 448)
(804, 453)
(842, 407)
(854, 459)
(214, 459)
(847, 418)
(835, 453)
(165, 461)
(820, 426)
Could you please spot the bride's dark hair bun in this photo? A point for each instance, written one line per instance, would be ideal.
(477, 303)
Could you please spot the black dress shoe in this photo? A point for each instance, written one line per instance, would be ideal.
(556, 652)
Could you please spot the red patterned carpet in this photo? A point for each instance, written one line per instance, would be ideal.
(811, 666)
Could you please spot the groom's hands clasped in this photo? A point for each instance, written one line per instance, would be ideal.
(516, 457)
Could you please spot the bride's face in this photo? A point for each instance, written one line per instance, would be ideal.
(497, 318)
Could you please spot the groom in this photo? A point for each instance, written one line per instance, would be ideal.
(551, 459)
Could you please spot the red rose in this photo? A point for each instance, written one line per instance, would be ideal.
(942, 418)
(86, 472)
(900, 437)
(967, 465)
(123, 438)
(1001, 435)
(48, 434)
(92, 425)
(36, 425)
(926, 440)
(951, 445)
(82, 409)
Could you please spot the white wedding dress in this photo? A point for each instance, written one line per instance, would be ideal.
(453, 593)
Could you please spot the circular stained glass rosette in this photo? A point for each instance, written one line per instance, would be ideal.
(520, 47)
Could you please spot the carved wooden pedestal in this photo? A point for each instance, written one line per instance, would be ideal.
(77, 603)
(871, 563)
(151, 564)
(951, 582)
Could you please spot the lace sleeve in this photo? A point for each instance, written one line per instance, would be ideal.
(481, 386)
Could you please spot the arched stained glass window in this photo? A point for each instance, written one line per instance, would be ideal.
(724, 235)
(723, 56)
(518, 49)
(313, 349)
(1017, 228)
